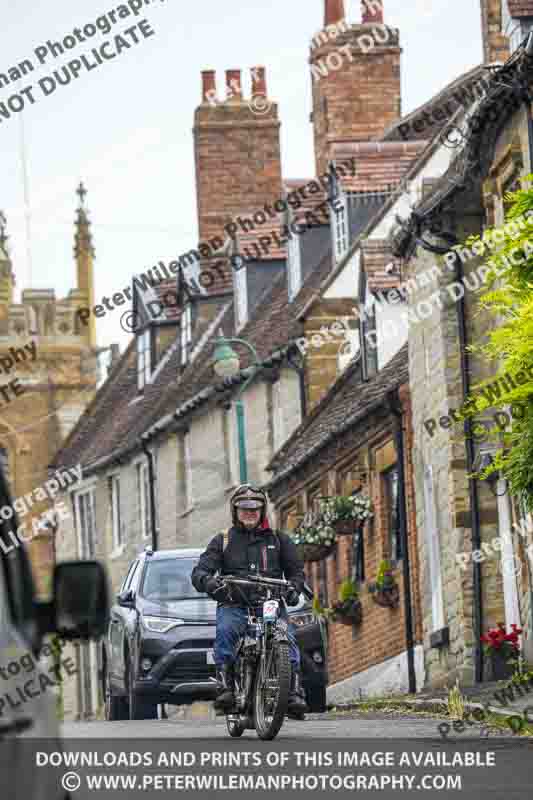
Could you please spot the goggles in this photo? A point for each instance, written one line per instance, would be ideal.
(249, 505)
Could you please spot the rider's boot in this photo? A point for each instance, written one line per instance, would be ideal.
(297, 706)
(226, 681)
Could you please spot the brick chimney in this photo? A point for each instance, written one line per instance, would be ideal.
(237, 153)
(258, 81)
(209, 89)
(495, 44)
(355, 74)
(233, 85)
(333, 12)
(372, 11)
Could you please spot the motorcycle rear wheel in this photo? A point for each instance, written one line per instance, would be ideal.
(271, 692)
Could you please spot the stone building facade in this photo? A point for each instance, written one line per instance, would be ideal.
(444, 369)
(44, 393)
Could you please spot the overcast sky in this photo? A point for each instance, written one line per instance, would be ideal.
(125, 128)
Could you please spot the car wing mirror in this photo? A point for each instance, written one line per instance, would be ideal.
(79, 608)
(126, 599)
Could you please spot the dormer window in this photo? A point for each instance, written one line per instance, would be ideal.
(241, 296)
(186, 333)
(294, 267)
(340, 227)
(144, 358)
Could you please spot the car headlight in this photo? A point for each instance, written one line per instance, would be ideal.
(301, 619)
(161, 624)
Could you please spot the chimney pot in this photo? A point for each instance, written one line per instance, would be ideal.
(372, 10)
(209, 86)
(334, 12)
(258, 81)
(233, 85)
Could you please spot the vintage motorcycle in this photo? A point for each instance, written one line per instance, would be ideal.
(262, 668)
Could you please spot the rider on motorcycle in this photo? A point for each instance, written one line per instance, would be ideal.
(252, 548)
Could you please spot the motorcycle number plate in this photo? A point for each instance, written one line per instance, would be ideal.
(210, 657)
(270, 610)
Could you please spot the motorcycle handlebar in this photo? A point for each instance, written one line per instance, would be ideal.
(252, 579)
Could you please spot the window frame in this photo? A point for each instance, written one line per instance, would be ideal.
(144, 357)
(187, 471)
(340, 227)
(116, 515)
(87, 539)
(240, 286)
(294, 272)
(185, 333)
(143, 490)
(396, 556)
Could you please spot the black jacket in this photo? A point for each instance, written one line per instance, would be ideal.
(259, 552)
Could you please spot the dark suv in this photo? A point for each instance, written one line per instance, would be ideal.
(159, 647)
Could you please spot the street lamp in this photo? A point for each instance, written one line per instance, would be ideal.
(226, 364)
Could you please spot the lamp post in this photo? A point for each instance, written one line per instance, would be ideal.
(226, 364)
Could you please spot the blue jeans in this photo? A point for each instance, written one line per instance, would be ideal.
(231, 625)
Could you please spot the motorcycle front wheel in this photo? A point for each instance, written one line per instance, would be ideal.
(271, 691)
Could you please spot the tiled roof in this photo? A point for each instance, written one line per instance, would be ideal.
(379, 166)
(520, 8)
(314, 195)
(459, 89)
(263, 243)
(118, 415)
(382, 270)
(346, 403)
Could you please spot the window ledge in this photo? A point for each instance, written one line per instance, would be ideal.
(117, 552)
(187, 511)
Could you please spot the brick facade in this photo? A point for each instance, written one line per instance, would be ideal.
(356, 91)
(358, 459)
(237, 154)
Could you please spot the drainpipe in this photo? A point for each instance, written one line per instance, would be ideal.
(396, 408)
(151, 481)
(470, 455)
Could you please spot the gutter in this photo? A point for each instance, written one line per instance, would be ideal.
(396, 409)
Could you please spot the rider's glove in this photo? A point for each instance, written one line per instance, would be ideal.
(292, 596)
(213, 584)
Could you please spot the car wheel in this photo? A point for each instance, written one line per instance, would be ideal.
(138, 707)
(316, 699)
(116, 708)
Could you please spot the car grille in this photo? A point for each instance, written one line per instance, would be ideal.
(194, 644)
(191, 667)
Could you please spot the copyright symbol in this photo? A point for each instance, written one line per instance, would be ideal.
(70, 781)
(259, 104)
(447, 141)
(129, 321)
(511, 567)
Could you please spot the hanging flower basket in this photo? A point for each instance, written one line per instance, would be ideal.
(385, 590)
(348, 527)
(346, 515)
(348, 612)
(314, 552)
(314, 538)
(386, 596)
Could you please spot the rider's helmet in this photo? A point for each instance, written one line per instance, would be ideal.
(248, 496)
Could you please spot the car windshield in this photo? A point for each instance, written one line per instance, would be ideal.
(169, 579)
